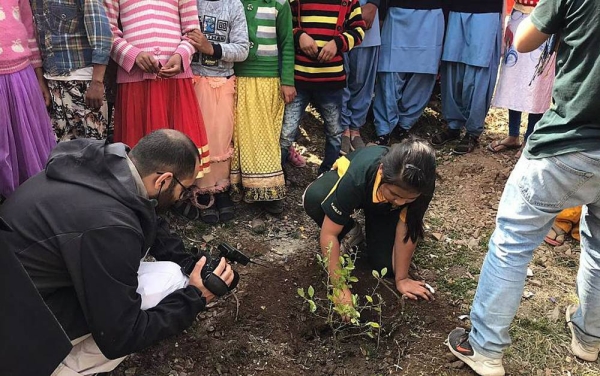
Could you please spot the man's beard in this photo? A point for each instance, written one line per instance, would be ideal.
(165, 199)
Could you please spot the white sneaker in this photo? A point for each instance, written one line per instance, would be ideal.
(353, 239)
(458, 342)
(580, 350)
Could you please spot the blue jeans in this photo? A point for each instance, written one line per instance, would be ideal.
(329, 105)
(537, 190)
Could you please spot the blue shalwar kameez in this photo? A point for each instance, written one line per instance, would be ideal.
(469, 68)
(411, 47)
(361, 69)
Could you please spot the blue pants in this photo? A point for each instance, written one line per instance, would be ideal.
(361, 67)
(329, 105)
(537, 190)
(400, 99)
(467, 93)
(514, 123)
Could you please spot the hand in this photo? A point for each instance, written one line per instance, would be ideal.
(146, 62)
(172, 68)
(414, 290)
(45, 91)
(288, 93)
(94, 95)
(308, 46)
(328, 52)
(200, 43)
(223, 271)
(345, 298)
(368, 14)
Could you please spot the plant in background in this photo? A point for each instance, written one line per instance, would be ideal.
(345, 319)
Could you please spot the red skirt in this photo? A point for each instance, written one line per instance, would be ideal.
(148, 105)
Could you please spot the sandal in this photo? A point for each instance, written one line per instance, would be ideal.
(210, 215)
(295, 158)
(556, 236)
(499, 146)
(186, 210)
(225, 206)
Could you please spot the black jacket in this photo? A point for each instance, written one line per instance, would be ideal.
(80, 231)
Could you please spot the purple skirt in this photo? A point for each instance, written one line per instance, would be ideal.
(26, 136)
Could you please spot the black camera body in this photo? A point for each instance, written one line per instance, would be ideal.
(211, 281)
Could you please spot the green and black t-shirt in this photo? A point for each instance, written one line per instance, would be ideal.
(572, 124)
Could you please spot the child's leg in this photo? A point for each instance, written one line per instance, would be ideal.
(361, 83)
(385, 105)
(416, 89)
(291, 121)
(514, 123)
(329, 104)
(453, 105)
(532, 120)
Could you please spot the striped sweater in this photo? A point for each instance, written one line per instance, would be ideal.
(18, 46)
(325, 20)
(157, 27)
(271, 41)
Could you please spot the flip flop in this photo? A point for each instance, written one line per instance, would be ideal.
(556, 236)
(494, 145)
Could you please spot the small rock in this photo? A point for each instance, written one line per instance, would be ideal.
(554, 315)
(536, 282)
(210, 329)
(208, 238)
(457, 365)
(450, 358)
(562, 248)
(258, 226)
(437, 236)
(529, 272)
(130, 371)
(528, 294)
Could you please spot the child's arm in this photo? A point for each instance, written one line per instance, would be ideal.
(238, 47)
(401, 259)
(354, 29)
(188, 15)
(285, 43)
(330, 247)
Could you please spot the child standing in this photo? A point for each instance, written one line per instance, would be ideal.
(323, 31)
(265, 83)
(469, 69)
(361, 68)
(517, 90)
(26, 136)
(411, 48)
(223, 41)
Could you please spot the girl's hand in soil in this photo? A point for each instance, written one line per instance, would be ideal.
(223, 271)
(414, 290)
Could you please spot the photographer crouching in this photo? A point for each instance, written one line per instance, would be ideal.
(80, 230)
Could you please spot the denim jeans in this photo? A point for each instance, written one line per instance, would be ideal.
(329, 105)
(537, 190)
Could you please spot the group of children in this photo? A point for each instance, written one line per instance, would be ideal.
(236, 76)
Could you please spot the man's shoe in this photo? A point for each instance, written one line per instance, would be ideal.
(445, 136)
(580, 350)
(353, 239)
(346, 145)
(400, 133)
(458, 342)
(273, 207)
(467, 144)
(382, 140)
(357, 143)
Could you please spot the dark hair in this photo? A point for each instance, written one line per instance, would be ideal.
(410, 165)
(166, 150)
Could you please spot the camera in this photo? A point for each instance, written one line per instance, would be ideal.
(211, 281)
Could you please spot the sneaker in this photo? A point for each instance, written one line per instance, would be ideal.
(445, 136)
(346, 145)
(467, 144)
(295, 159)
(458, 342)
(273, 207)
(353, 239)
(382, 140)
(357, 143)
(580, 350)
(400, 133)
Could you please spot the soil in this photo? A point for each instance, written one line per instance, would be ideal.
(267, 329)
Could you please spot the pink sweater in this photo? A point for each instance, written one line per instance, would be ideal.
(18, 47)
(152, 26)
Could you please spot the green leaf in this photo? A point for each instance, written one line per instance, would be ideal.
(313, 306)
(319, 258)
(375, 273)
(353, 279)
(301, 292)
(383, 272)
(369, 298)
(354, 321)
(355, 299)
(373, 325)
(311, 291)
(371, 335)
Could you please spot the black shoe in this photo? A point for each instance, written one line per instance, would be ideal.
(445, 136)
(382, 140)
(467, 144)
(273, 207)
(225, 206)
(400, 133)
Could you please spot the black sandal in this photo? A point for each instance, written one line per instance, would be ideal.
(186, 210)
(225, 206)
(210, 215)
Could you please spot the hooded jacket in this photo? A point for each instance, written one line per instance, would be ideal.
(80, 230)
